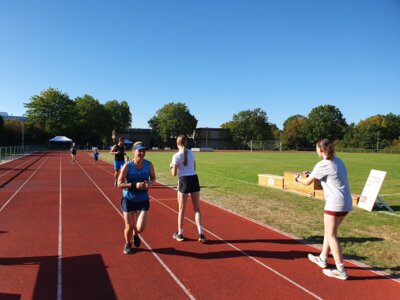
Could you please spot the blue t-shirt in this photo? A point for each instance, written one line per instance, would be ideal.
(137, 175)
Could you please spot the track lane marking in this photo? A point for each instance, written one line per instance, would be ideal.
(242, 252)
(169, 271)
(59, 258)
(357, 263)
(26, 161)
(9, 200)
(247, 255)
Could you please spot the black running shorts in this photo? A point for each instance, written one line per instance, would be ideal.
(188, 184)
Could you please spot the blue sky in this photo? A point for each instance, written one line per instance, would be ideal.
(219, 57)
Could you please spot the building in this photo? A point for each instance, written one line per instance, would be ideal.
(5, 117)
(216, 138)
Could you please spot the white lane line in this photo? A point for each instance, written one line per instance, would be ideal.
(169, 271)
(245, 254)
(318, 247)
(59, 258)
(9, 200)
(248, 255)
(26, 161)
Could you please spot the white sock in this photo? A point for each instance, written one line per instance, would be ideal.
(180, 231)
(322, 257)
(200, 229)
(340, 267)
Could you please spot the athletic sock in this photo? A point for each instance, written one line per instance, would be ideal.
(200, 229)
(322, 257)
(340, 267)
(180, 231)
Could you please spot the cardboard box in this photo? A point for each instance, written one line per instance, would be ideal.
(291, 185)
(355, 198)
(269, 180)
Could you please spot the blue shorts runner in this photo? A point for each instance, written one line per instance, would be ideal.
(118, 164)
(129, 206)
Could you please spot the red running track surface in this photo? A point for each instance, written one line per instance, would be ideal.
(61, 237)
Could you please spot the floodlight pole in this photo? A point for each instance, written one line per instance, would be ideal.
(23, 134)
(377, 142)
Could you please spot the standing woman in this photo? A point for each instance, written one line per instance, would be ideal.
(332, 173)
(184, 165)
(119, 152)
(135, 179)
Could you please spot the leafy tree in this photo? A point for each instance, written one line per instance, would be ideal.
(171, 120)
(226, 125)
(1, 129)
(35, 134)
(91, 126)
(293, 134)
(12, 132)
(276, 132)
(349, 140)
(53, 110)
(391, 127)
(120, 115)
(378, 131)
(325, 121)
(250, 125)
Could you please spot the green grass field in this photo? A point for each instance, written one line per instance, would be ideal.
(230, 179)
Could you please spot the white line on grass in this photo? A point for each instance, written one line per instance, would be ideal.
(187, 292)
(8, 201)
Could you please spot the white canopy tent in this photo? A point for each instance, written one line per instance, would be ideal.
(60, 142)
(60, 139)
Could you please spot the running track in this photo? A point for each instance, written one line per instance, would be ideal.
(61, 238)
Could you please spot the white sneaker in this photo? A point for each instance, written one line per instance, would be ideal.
(317, 260)
(336, 273)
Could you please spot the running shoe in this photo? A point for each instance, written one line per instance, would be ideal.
(178, 237)
(318, 261)
(202, 238)
(136, 240)
(128, 248)
(335, 273)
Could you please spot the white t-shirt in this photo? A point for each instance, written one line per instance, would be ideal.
(183, 170)
(333, 176)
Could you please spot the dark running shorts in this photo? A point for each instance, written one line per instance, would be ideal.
(118, 164)
(336, 213)
(189, 184)
(129, 206)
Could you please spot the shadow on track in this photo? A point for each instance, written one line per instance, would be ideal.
(84, 277)
(20, 171)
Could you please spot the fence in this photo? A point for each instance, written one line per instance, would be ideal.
(13, 152)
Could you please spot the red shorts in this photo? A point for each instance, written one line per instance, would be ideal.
(336, 213)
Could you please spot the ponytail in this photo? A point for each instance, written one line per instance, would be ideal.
(185, 159)
(182, 141)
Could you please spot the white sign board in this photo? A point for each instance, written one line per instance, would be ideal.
(371, 189)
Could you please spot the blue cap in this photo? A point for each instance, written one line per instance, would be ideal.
(139, 146)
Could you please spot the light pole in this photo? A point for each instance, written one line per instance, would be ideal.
(23, 135)
(377, 141)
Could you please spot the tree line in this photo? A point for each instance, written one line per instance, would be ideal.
(85, 119)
